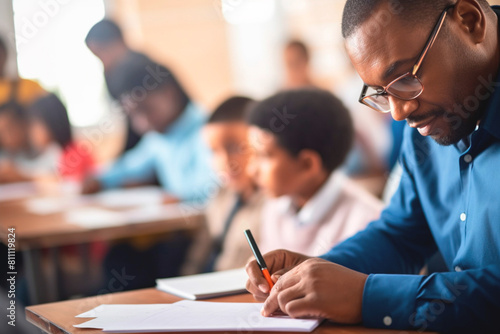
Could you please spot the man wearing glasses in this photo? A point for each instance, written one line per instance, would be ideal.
(434, 64)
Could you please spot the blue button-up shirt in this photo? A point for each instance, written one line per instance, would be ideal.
(179, 157)
(448, 200)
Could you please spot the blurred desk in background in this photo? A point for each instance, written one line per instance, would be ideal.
(74, 220)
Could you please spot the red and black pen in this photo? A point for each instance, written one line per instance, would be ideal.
(259, 258)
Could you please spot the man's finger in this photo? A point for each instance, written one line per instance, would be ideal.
(276, 275)
(271, 304)
(256, 278)
(255, 291)
(299, 308)
(289, 295)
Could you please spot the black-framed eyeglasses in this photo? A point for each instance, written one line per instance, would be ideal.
(406, 87)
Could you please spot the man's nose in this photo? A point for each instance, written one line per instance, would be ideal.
(402, 109)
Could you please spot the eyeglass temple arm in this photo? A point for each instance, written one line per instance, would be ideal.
(431, 40)
(363, 92)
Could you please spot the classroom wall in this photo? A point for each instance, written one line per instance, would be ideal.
(317, 23)
(189, 36)
(213, 57)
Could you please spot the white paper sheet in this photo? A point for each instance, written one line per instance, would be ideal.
(90, 217)
(96, 217)
(106, 310)
(194, 316)
(132, 197)
(112, 314)
(49, 205)
(157, 212)
(15, 191)
(110, 199)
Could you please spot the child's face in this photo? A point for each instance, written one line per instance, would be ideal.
(275, 170)
(229, 143)
(155, 112)
(13, 133)
(39, 135)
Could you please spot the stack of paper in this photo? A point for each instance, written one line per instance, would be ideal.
(109, 199)
(95, 217)
(131, 197)
(204, 286)
(190, 316)
(15, 191)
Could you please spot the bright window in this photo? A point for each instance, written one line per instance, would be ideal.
(51, 49)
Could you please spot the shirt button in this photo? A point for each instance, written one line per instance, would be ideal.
(463, 217)
(387, 321)
(468, 158)
(458, 269)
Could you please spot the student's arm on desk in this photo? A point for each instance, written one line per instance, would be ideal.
(136, 165)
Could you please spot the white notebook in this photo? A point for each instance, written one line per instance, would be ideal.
(189, 315)
(202, 286)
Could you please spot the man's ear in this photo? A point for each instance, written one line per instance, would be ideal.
(310, 161)
(471, 19)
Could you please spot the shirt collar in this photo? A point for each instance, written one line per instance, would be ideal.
(189, 118)
(318, 206)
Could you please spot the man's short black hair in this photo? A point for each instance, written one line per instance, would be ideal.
(307, 118)
(52, 112)
(231, 110)
(356, 12)
(104, 32)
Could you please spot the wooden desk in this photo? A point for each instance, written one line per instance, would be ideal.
(34, 232)
(59, 318)
(45, 231)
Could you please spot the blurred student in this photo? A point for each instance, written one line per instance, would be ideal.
(16, 155)
(51, 135)
(15, 89)
(15, 95)
(38, 143)
(300, 138)
(237, 205)
(19, 160)
(171, 146)
(296, 60)
(105, 40)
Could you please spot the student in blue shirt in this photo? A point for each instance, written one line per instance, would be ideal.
(171, 147)
(448, 196)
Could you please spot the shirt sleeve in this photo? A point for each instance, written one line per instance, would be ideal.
(392, 250)
(136, 165)
(195, 181)
(452, 302)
